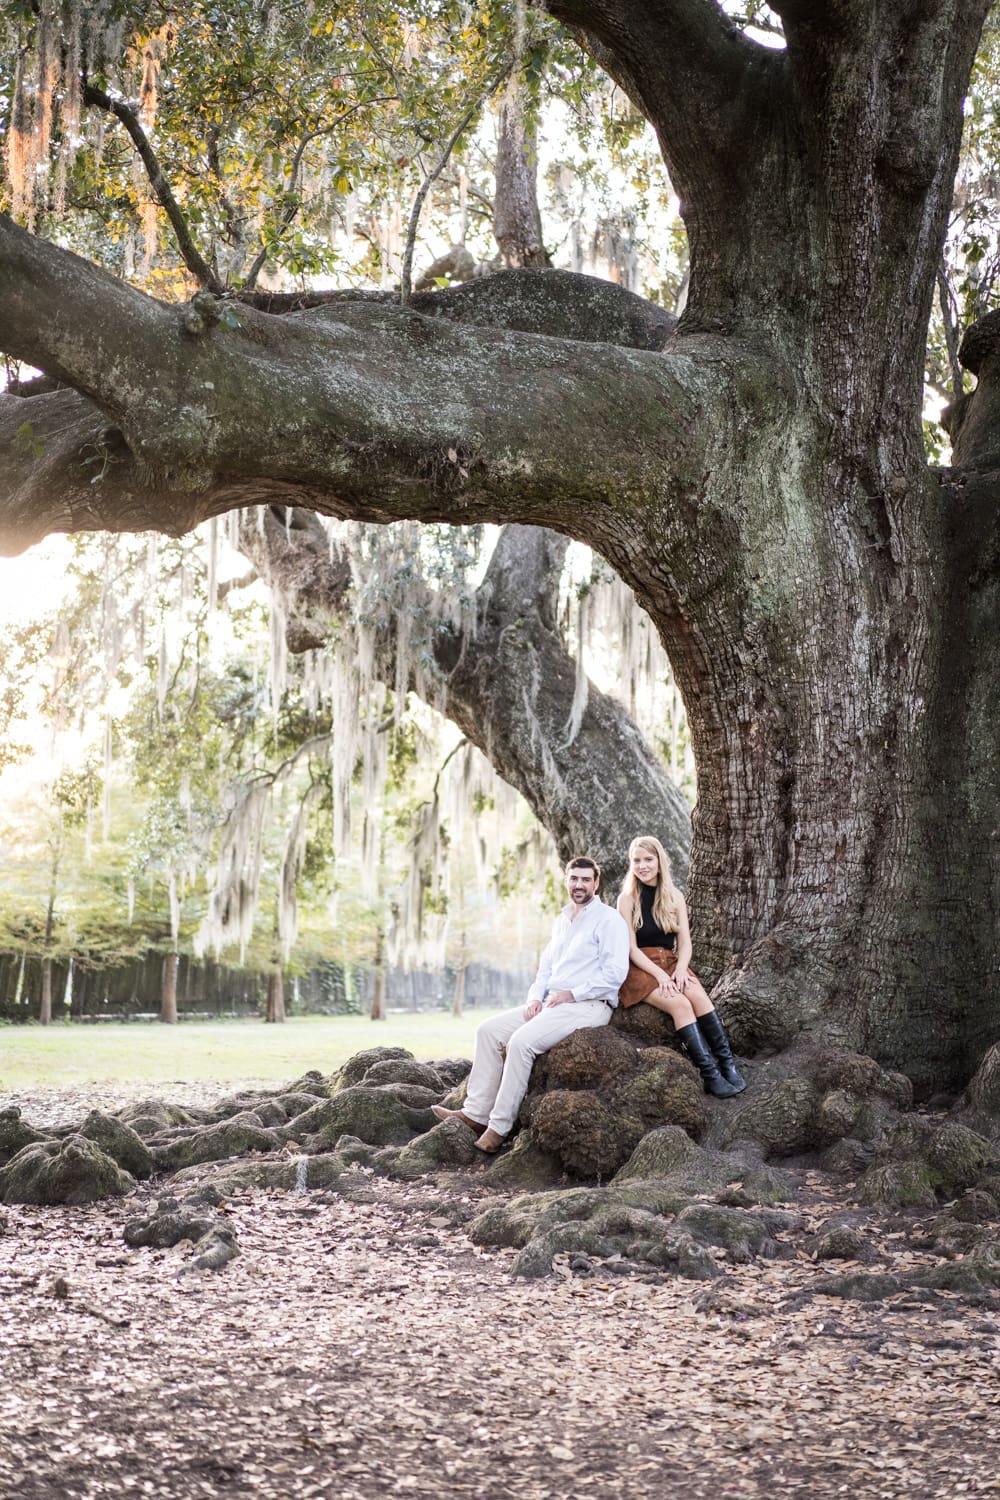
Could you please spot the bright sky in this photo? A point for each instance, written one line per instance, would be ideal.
(34, 582)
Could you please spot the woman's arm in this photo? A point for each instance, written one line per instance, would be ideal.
(683, 943)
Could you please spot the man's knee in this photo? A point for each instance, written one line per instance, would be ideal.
(526, 1046)
(485, 1031)
(494, 1030)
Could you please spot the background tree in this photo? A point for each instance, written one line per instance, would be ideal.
(500, 668)
(757, 476)
(69, 797)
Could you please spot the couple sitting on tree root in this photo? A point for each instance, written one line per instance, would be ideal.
(596, 958)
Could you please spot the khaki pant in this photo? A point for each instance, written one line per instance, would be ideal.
(496, 1087)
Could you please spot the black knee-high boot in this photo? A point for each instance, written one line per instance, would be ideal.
(714, 1032)
(694, 1046)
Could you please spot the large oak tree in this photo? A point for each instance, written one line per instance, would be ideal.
(829, 604)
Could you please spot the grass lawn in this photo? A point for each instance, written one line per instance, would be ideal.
(62, 1055)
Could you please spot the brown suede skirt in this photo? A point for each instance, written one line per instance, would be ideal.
(638, 984)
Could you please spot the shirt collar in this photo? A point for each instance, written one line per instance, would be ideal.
(569, 908)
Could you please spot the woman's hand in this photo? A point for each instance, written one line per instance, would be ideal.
(665, 985)
(680, 978)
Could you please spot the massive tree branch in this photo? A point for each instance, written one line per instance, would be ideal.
(76, 322)
(510, 687)
(66, 468)
(512, 693)
(369, 411)
(560, 304)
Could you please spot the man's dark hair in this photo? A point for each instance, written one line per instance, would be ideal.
(584, 862)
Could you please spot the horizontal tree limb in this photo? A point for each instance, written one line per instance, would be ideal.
(356, 408)
(561, 304)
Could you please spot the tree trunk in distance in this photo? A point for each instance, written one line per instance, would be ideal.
(168, 990)
(517, 223)
(275, 996)
(458, 999)
(377, 1012)
(45, 1005)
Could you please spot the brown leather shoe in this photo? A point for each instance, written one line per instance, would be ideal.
(489, 1141)
(457, 1114)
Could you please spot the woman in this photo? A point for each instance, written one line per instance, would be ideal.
(659, 959)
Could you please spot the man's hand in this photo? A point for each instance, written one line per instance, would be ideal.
(532, 1009)
(561, 997)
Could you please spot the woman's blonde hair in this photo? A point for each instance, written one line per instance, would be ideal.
(665, 910)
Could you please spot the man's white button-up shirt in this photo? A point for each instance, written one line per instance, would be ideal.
(587, 955)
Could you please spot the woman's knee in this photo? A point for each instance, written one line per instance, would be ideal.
(695, 994)
(680, 1011)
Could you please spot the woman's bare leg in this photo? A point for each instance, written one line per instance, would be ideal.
(695, 995)
(676, 1006)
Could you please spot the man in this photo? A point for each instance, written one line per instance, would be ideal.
(577, 984)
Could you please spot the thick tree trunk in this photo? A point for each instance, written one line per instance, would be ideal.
(838, 856)
(168, 990)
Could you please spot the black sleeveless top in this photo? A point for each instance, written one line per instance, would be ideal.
(649, 933)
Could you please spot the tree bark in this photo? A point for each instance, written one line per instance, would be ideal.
(517, 223)
(168, 990)
(827, 602)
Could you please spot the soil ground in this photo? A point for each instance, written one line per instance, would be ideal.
(362, 1347)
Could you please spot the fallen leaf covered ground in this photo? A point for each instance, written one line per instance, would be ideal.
(361, 1346)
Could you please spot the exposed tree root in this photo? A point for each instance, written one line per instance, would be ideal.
(614, 1107)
